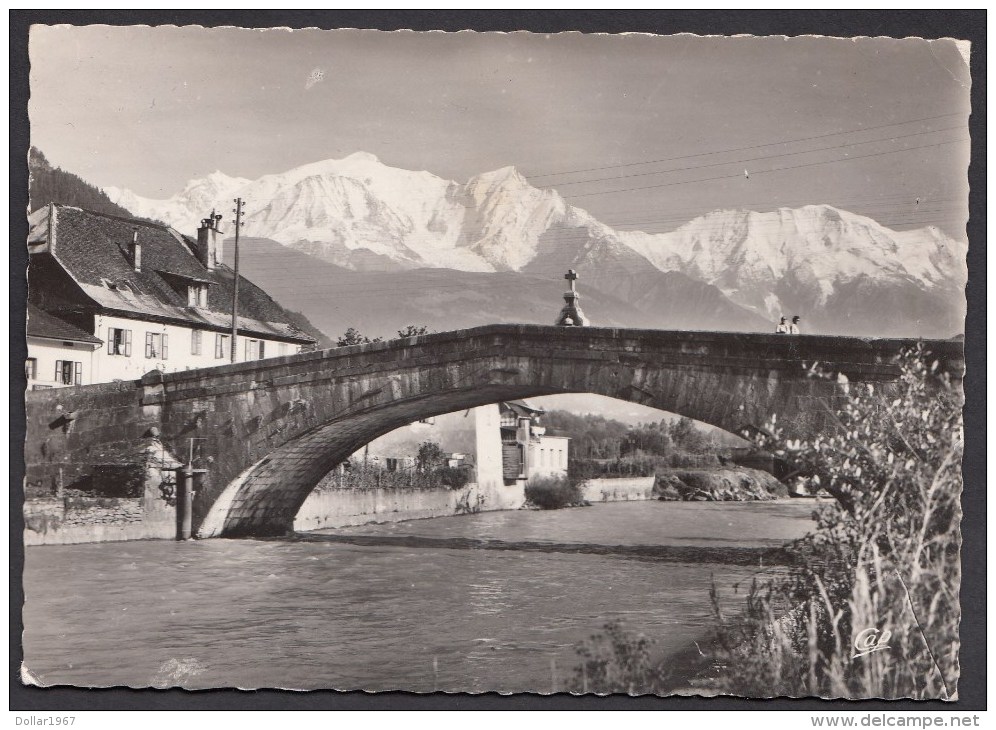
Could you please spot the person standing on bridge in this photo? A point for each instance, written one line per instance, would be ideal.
(782, 328)
(794, 327)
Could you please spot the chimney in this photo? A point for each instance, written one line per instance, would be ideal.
(209, 241)
(135, 250)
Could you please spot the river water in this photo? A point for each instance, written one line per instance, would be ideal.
(490, 602)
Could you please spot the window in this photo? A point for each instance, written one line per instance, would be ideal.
(31, 368)
(68, 372)
(281, 348)
(156, 346)
(197, 295)
(118, 342)
(255, 349)
(221, 346)
(195, 342)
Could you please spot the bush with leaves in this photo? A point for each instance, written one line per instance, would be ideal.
(413, 330)
(617, 661)
(554, 492)
(454, 477)
(883, 564)
(353, 336)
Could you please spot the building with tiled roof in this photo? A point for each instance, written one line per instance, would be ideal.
(526, 449)
(151, 297)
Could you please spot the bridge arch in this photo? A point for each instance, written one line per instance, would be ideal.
(686, 375)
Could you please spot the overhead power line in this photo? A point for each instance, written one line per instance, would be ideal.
(716, 164)
(753, 159)
(774, 169)
(751, 147)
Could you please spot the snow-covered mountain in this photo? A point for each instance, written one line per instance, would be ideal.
(835, 268)
(800, 260)
(185, 209)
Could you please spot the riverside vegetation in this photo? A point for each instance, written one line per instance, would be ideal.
(871, 608)
(554, 492)
(428, 471)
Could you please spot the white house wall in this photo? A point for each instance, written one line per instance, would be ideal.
(488, 446)
(548, 456)
(47, 352)
(108, 367)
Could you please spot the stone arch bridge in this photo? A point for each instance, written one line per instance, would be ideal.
(270, 430)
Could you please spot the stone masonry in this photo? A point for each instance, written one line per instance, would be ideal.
(269, 430)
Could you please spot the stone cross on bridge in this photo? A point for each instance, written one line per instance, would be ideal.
(273, 428)
(571, 314)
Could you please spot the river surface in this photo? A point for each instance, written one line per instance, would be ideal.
(496, 601)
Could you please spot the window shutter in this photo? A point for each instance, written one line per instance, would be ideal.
(110, 340)
(262, 346)
(58, 371)
(148, 345)
(78, 374)
(127, 343)
(165, 347)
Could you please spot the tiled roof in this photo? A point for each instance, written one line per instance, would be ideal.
(48, 326)
(521, 408)
(93, 249)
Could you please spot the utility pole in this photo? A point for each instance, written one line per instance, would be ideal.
(239, 209)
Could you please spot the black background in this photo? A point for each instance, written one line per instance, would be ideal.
(962, 24)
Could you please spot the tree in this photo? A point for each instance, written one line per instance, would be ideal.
(353, 336)
(429, 457)
(413, 330)
(47, 184)
(686, 435)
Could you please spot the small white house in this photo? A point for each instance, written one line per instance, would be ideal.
(138, 296)
(59, 353)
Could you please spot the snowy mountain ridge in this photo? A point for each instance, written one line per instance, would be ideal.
(362, 214)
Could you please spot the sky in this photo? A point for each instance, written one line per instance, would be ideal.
(645, 132)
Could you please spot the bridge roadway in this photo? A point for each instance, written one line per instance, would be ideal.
(273, 428)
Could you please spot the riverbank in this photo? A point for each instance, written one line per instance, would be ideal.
(77, 519)
(713, 484)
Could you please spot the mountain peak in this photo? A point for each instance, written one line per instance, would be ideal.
(216, 180)
(501, 176)
(361, 156)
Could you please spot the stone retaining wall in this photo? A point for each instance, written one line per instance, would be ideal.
(343, 507)
(624, 489)
(133, 499)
